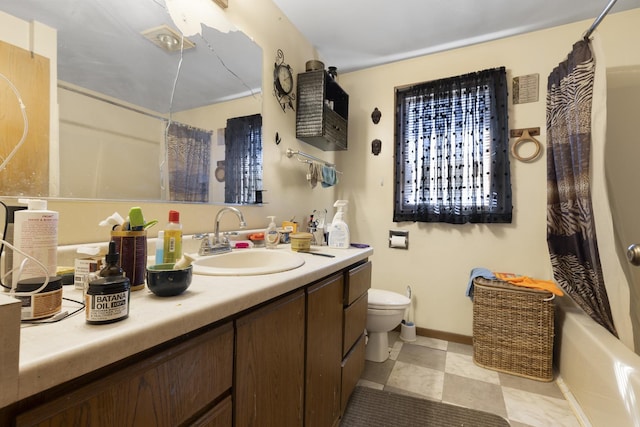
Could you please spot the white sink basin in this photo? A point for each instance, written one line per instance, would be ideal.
(248, 262)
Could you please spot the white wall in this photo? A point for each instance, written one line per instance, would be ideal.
(106, 151)
(440, 257)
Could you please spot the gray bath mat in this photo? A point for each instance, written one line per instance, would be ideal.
(376, 408)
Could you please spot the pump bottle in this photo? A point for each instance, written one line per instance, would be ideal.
(35, 233)
(339, 230)
(173, 238)
(271, 237)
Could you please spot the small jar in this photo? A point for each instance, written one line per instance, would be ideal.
(45, 303)
(300, 241)
(107, 300)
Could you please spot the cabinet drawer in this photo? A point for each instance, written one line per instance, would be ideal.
(352, 368)
(164, 390)
(358, 281)
(220, 415)
(355, 320)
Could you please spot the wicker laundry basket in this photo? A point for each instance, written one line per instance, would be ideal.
(513, 329)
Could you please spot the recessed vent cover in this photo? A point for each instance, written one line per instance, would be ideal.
(167, 39)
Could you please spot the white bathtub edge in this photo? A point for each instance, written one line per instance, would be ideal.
(573, 403)
(599, 370)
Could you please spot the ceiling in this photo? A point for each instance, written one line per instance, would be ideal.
(356, 34)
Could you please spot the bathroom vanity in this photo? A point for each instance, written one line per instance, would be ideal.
(282, 349)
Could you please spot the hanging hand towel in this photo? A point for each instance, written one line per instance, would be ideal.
(329, 176)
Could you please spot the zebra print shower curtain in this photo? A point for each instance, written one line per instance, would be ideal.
(571, 233)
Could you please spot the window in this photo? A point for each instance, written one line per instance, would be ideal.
(243, 159)
(451, 150)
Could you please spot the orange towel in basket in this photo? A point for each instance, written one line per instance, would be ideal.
(528, 282)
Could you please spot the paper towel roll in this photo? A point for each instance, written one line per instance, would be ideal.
(398, 241)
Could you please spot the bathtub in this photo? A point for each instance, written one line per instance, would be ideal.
(600, 371)
(602, 374)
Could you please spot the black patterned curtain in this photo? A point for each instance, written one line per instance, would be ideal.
(452, 157)
(243, 159)
(570, 225)
(189, 163)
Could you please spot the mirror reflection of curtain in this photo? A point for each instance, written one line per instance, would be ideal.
(189, 163)
(243, 159)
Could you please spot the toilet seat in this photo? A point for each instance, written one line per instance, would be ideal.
(385, 300)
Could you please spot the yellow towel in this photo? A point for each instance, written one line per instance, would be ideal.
(528, 282)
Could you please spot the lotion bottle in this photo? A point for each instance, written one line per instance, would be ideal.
(271, 237)
(160, 247)
(173, 238)
(339, 230)
(35, 233)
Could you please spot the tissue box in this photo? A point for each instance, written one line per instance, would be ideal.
(83, 267)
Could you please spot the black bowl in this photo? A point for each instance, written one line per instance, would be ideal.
(164, 281)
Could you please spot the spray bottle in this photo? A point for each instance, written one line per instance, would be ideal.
(339, 231)
(35, 233)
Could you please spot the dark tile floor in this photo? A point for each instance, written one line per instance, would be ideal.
(444, 371)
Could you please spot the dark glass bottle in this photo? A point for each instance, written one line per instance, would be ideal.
(112, 268)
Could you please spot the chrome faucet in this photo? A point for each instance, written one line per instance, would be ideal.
(205, 246)
(222, 245)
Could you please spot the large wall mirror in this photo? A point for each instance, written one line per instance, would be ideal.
(143, 113)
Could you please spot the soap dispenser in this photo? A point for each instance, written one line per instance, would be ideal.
(271, 237)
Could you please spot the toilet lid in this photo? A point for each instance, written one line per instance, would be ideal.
(381, 299)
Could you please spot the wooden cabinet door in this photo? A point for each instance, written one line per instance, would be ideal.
(168, 389)
(324, 352)
(352, 368)
(269, 384)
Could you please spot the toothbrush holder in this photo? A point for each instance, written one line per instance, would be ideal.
(132, 247)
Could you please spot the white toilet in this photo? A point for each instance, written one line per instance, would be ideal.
(384, 313)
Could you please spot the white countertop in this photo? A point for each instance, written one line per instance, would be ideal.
(51, 354)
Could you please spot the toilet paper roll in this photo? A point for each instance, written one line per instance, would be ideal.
(398, 241)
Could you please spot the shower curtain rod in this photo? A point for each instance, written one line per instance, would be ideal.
(599, 19)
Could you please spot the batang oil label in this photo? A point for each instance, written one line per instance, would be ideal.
(107, 307)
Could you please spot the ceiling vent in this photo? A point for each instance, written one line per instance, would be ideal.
(167, 39)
